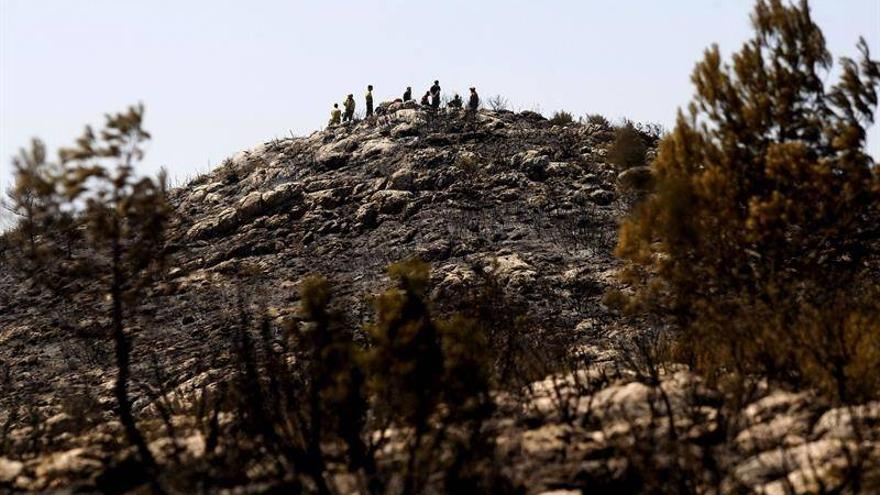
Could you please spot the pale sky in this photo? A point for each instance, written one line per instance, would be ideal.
(219, 76)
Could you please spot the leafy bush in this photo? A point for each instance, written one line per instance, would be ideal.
(765, 209)
(629, 146)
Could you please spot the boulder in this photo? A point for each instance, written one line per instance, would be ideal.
(561, 169)
(532, 116)
(401, 180)
(251, 205)
(779, 431)
(454, 279)
(845, 422)
(636, 178)
(331, 159)
(410, 113)
(405, 129)
(215, 225)
(366, 215)
(601, 197)
(390, 201)
(327, 198)
(375, 148)
(511, 269)
(397, 106)
(532, 163)
(70, 461)
(281, 195)
(774, 404)
(772, 464)
(9, 469)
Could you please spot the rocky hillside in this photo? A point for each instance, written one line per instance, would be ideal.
(533, 204)
(510, 189)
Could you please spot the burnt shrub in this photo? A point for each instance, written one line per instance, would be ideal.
(629, 147)
(561, 118)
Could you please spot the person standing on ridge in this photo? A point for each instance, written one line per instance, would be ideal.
(473, 101)
(369, 98)
(435, 95)
(335, 115)
(349, 109)
(407, 95)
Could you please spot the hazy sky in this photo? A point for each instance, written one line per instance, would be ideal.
(219, 76)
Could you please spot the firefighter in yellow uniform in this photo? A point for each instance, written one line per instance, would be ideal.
(369, 98)
(335, 115)
(348, 116)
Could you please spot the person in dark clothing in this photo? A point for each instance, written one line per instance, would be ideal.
(435, 95)
(407, 95)
(456, 102)
(369, 98)
(426, 100)
(473, 101)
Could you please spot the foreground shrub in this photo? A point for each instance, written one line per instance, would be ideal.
(44, 232)
(125, 218)
(94, 190)
(404, 414)
(765, 208)
(418, 362)
(833, 347)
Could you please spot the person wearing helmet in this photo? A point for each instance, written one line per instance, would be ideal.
(349, 109)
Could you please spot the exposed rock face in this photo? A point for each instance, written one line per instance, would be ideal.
(611, 432)
(502, 193)
(347, 201)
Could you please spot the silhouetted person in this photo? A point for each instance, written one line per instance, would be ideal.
(349, 109)
(456, 102)
(335, 115)
(474, 101)
(435, 95)
(407, 95)
(369, 98)
(426, 100)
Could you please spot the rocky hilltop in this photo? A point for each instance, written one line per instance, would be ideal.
(506, 189)
(534, 204)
